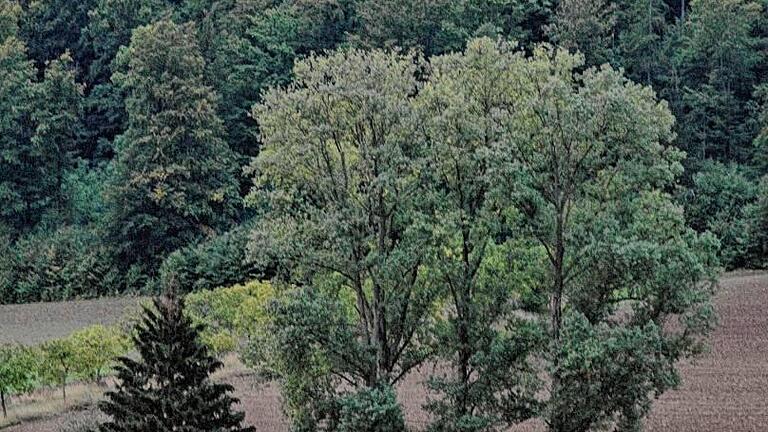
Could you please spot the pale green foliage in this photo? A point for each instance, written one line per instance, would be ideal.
(502, 150)
(590, 166)
(10, 10)
(339, 172)
(57, 363)
(492, 384)
(231, 315)
(96, 348)
(17, 372)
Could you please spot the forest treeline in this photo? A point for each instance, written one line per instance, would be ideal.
(126, 127)
(535, 196)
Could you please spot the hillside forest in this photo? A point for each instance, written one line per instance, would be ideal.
(530, 193)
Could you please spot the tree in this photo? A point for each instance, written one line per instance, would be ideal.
(17, 171)
(720, 56)
(591, 163)
(96, 348)
(16, 372)
(110, 23)
(587, 26)
(441, 26)
(493, 384)
(59, 362)
(58, 107)
(642, 26)
(718, 201)
(168, 388)
(338, 179)
(173, 180)
(52, 27)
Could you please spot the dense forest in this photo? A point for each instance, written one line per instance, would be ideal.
(525, 192)
(127, 127)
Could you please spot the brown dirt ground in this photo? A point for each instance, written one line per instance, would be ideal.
(726, 390)
(37, 322)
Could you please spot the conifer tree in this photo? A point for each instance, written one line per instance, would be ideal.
(168, 388)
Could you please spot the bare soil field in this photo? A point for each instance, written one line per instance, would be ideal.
(726, 390)
(38, 322)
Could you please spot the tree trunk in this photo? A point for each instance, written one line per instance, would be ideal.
(556, 302)
(64, 387)
(2, 402)
(682, 10)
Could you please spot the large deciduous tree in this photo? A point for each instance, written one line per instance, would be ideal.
(591, 173)
(339, 176)
(173, 179)
(481, 265)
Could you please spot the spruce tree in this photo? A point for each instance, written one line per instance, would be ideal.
(168, 388)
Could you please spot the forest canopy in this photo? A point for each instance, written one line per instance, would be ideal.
(537, 195)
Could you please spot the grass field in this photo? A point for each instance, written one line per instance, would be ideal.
(725, 390)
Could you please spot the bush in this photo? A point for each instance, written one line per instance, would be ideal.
(17, 372)
(718, 202)
(371, 410)
(220, 261)
(230, 315)
(757, 214)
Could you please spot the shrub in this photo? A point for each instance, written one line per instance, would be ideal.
(231, 314)
(219, 261)
(371, 410)
(17, 372)
(757, 214)
(718, 202)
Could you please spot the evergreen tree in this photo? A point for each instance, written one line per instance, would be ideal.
(173, 182)
(168, 388)
(17, 174)
(58, 103)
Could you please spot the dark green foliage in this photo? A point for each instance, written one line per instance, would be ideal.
(17, 173)
(219, 261)
(720, 59)
(371, 410)
(440, 26)
(57, 264)
(758, 227)
(718, 202)
(169, 388)
(58, 104)
(52, 27)
(173, 181)
(608, 374)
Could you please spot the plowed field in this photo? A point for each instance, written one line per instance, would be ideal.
(726, 390)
